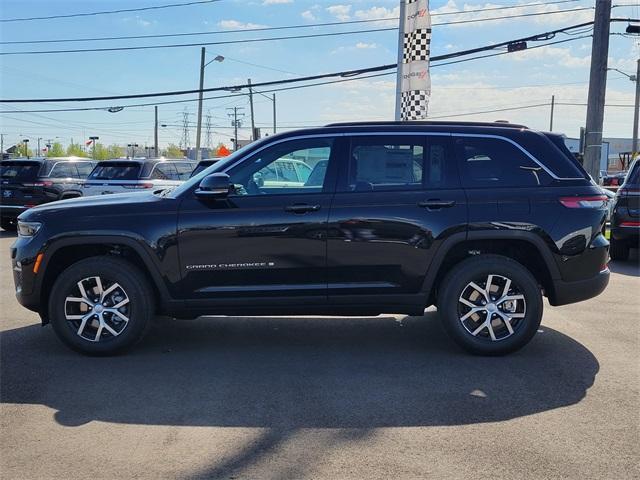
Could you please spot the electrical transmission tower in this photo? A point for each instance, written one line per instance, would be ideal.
(208, 131)
(184, 140)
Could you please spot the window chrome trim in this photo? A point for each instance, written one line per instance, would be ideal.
(396, 133)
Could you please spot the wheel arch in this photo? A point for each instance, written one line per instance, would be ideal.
(527, 248)
(62, 253)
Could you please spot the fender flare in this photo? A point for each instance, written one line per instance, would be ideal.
(446, 246)
(136, 244)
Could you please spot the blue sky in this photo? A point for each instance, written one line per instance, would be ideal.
(521, 79)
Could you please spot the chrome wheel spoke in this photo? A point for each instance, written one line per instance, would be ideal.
(86, 313)
(500, 318)
(480, 290)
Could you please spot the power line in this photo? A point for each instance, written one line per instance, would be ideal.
(284, 27)
(537, 37)
(107, 12)
(270, 39)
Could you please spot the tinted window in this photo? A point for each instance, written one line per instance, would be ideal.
(386, 163)
(116, 171)
(184, 170)
(84, 168)
(19, 170)
(274, 170)
(492, 162)
(63, 170)
(201, 166)
(164, 171)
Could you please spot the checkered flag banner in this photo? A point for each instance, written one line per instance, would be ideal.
(414, 64)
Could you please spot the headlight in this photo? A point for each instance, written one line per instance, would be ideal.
(28, 229)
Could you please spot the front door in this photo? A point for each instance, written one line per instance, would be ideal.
(267, 239)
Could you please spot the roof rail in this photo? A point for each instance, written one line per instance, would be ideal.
(499, 123)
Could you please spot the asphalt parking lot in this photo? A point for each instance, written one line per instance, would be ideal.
(289, 398)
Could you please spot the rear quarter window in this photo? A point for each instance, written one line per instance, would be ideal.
(494, 163)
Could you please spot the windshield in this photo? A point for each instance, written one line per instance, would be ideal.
(116, 171)
(219, 166)
(19, 170)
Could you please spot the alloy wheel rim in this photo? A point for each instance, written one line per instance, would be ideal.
(97, 309)
(492, 308)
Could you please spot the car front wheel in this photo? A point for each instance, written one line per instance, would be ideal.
(490, 305)
(101, 305)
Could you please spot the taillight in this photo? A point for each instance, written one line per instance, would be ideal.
(46, 183)
(139, 185)
(592, 201)
(630, 224)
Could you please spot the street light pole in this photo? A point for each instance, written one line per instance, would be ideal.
(93, 143)
(274, 113)
(636, 113)
(199, 127)
(253, 124)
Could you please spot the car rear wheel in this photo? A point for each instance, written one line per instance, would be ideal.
(490, 305)
(101, 305)
(618, 249)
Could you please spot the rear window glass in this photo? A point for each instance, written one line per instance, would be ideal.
(19, 170)
(116, 171)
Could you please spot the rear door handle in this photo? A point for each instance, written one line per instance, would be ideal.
(301, 208)
(435, 204)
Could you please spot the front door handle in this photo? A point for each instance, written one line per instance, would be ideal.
(436, 204)
(301, 208)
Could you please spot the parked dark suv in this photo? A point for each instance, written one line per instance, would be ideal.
(481, 220)
(625, 218)
(25, 183)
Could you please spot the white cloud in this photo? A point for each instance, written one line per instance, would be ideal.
(141, 22)
(353, 48)
(308, 15)
(236, 25)
(364, 45)
(376, 13)
(276, 2)
(341, 12)
(552, 57)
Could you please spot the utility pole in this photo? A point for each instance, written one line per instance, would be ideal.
(597, 88)
(636, 113)
(398, 115)
(235, 123)
(274, 113)
(2, 145)
(553, 104)
(155, 133)
(39, 138)
(253, 125)
(199, 127)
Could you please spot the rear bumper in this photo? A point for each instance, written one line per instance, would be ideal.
(623, 233)
(577, 291)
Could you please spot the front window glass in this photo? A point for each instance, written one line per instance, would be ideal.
(275, 169)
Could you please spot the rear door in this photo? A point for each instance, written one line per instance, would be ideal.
(64, 176)
(398, 197)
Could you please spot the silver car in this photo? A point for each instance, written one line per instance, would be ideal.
(124, 175)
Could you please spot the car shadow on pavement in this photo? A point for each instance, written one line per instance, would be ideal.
(627, 267)
(289, 373)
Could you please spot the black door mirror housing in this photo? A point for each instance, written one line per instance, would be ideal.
(216, 185)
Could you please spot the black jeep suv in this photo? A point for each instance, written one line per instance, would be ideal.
(25, 183)
(481, 220)
(625, 219)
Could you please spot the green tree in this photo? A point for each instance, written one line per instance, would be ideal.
(56, 150)
(172, 151)
(115, 151)
(75, 150)
(101, 152)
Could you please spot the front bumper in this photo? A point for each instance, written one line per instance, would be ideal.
(577, 291)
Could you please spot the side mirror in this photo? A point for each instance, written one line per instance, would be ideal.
(216, 185)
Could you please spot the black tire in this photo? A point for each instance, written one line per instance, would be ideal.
(139, 309)
(457, 283)
(618, 249)
(9, 225)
